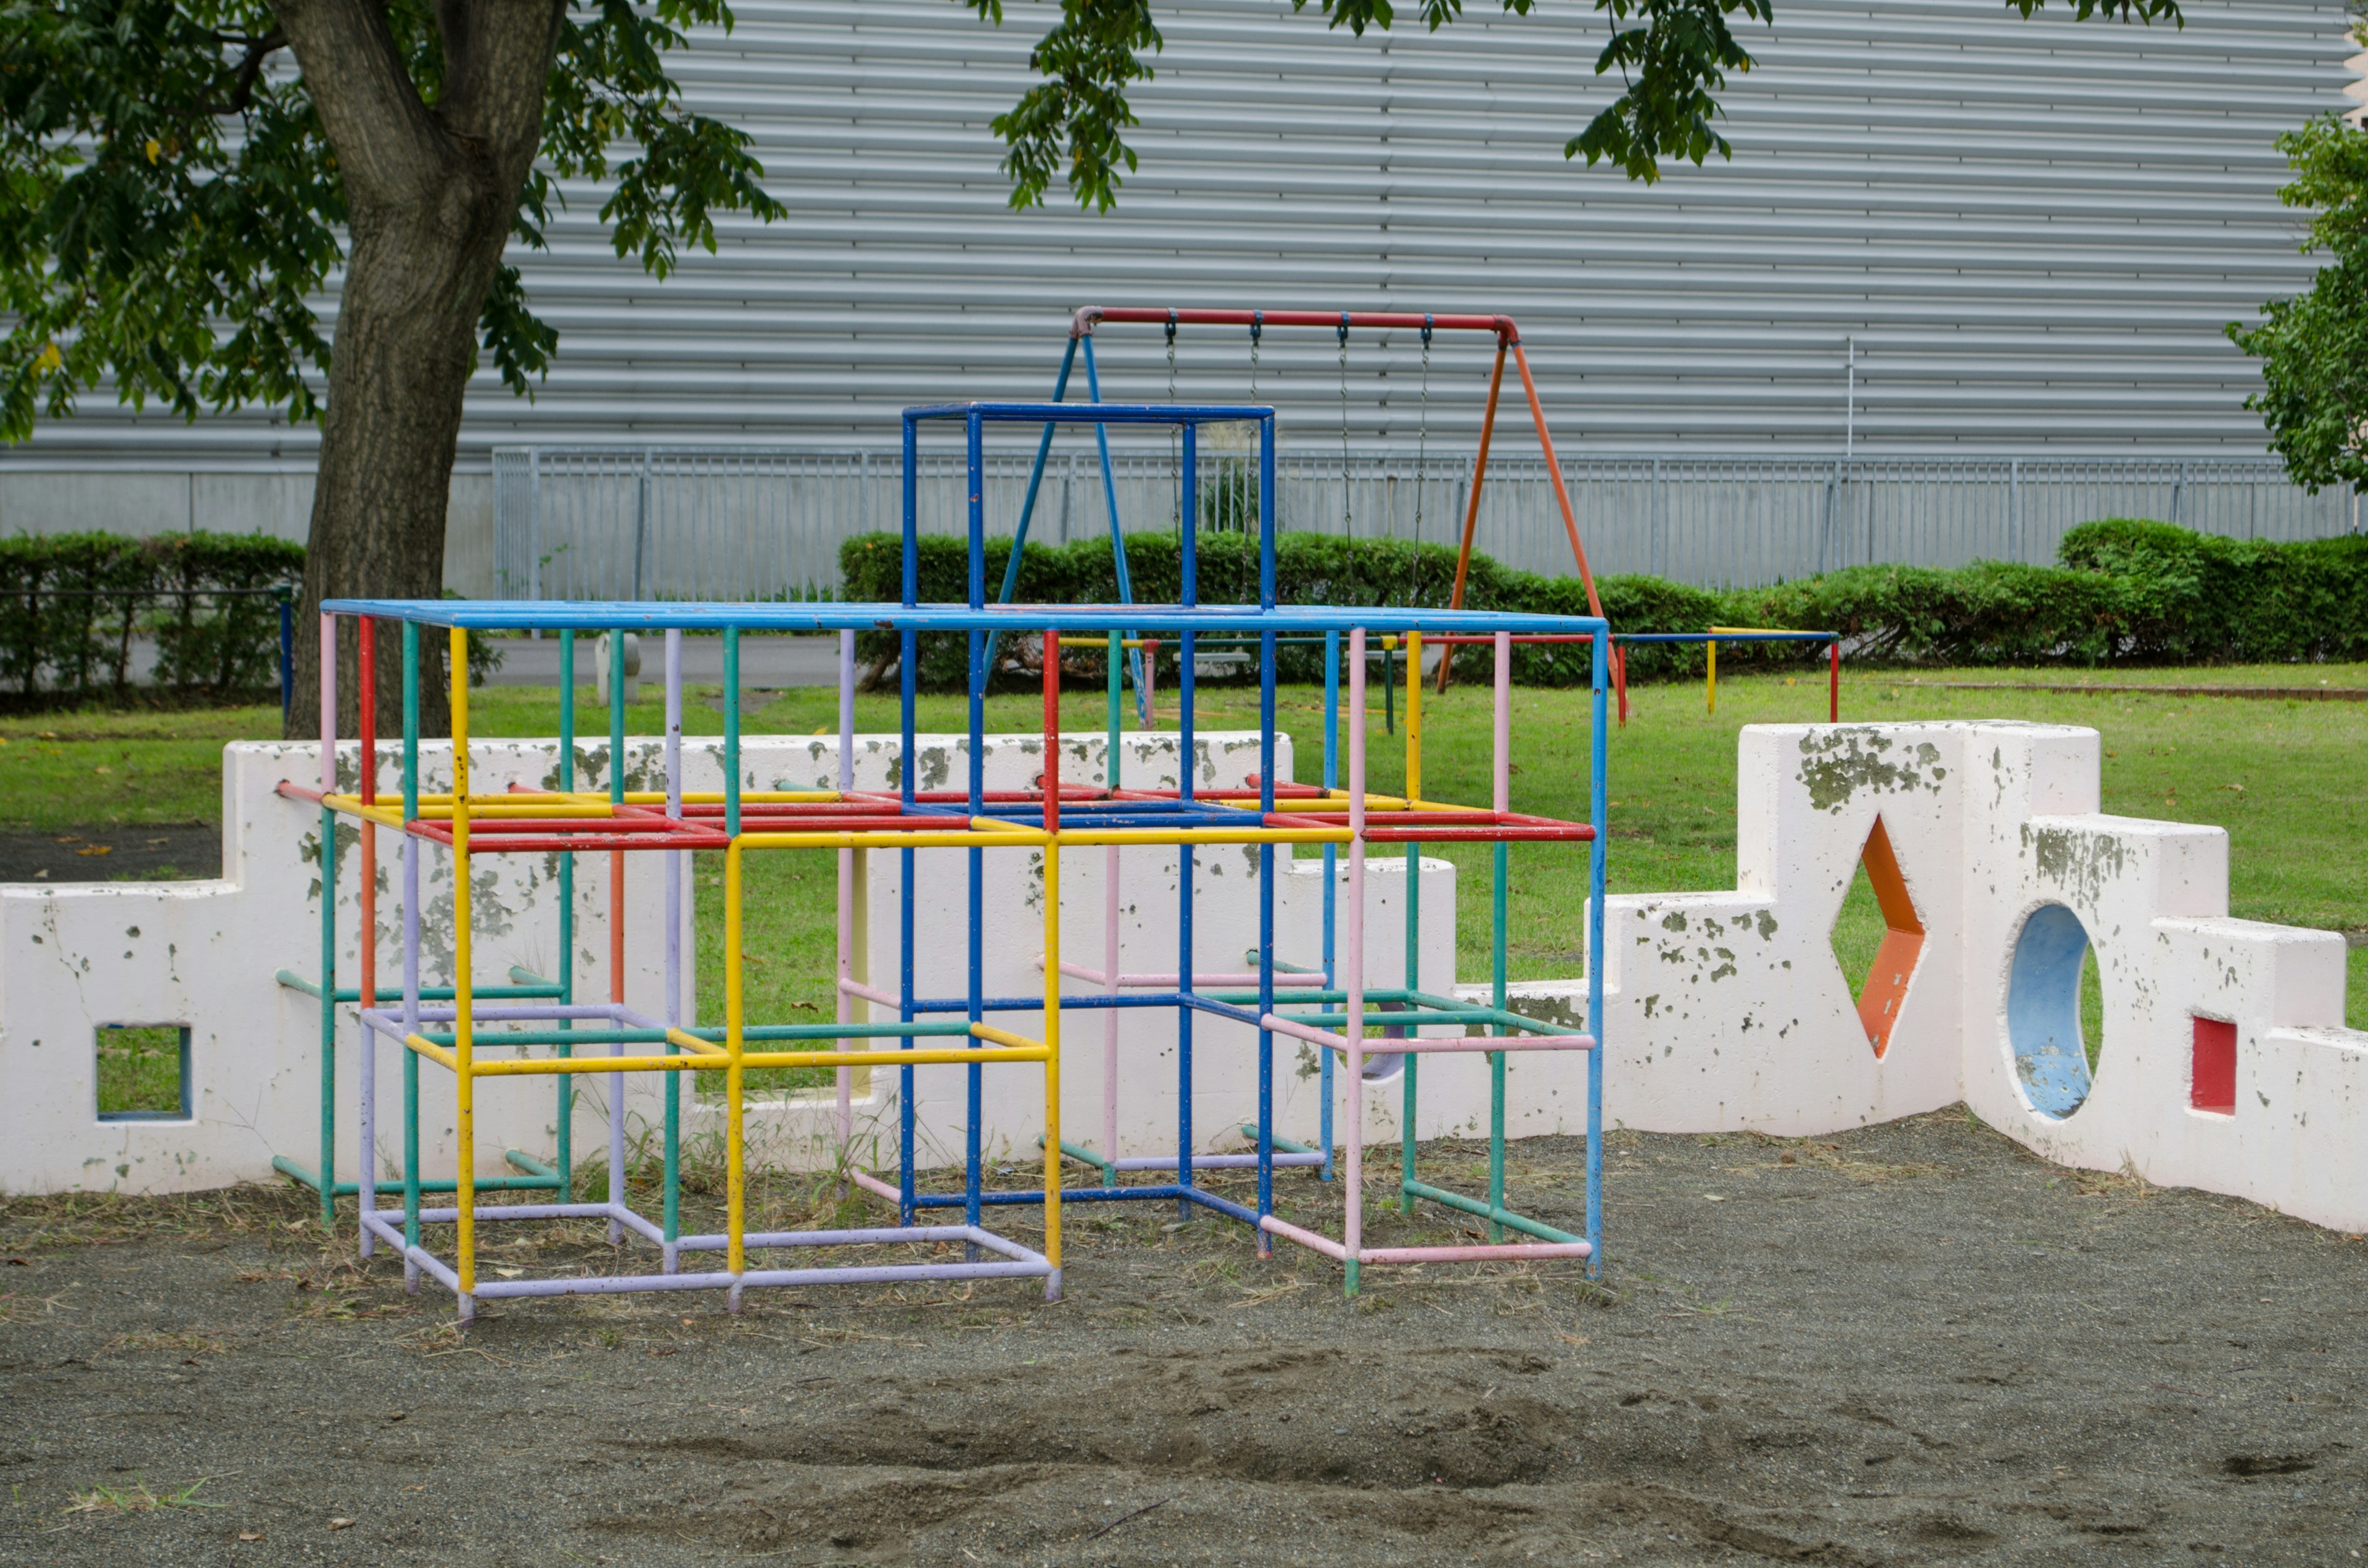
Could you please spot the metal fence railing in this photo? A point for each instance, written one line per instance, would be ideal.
(618, 522)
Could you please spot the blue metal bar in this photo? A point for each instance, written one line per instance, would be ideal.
(1597, 796)
(975, 1074)
(908, 660)
(1228, 621)
(1118, 535)
(1331, 872)
(1028, 503)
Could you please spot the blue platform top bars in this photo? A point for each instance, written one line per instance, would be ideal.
(608, 614)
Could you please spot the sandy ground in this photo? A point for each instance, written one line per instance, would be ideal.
(1912, 1344)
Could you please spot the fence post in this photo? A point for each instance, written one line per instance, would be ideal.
(2014, 510)
(534, 525)
(1660, 548)
(2179, 496)
(287, 653)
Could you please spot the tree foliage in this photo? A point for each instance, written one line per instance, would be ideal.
(2314, 348)
(1672, 58)
(172, 214)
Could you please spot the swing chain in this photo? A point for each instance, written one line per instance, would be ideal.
(1421, 457)
(1175, 435)
(1347, 511)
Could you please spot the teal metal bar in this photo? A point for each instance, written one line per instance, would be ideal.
(539, 990)
(1288, 1145)
(1499, 1218)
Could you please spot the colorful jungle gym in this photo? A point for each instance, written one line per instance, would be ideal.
(1325, 999)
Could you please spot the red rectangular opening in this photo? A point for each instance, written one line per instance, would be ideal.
(2211, 1082)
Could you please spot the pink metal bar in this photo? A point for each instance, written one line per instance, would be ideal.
(1353, 1229)
(1507, 1252)
(873, 1184)
(1131, 979)
(1109, 981)
(1308, 1239)
(1503, 798)
(868, 992)
(328, 712)
(1424, 1045)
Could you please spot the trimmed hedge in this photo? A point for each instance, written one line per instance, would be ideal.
(71, 605)
(2127, 592)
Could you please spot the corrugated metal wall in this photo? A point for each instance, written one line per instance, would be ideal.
(2032, 229)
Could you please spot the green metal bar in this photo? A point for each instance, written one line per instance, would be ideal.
(1496, 1215)
(290, 1169)
(1288, 1145)
(539, 990)
(1497, 1058)
(410, 814)
(1085, 1156)
(530, 1165)
(565, 1088)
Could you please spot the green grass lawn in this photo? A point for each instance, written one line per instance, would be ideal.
(2281, 776)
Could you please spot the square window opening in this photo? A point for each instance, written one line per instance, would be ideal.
(143, 1072)
(2211, 1079)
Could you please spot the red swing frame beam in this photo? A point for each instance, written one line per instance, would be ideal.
(1508, 340)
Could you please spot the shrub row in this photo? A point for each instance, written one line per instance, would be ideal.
(2126, 592)
(71, 605)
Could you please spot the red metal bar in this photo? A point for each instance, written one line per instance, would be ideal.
(1087, 317)
(1471, 505)
(1834, 684)
(1553, 471)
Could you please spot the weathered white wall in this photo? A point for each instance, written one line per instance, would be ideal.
(1723, 1010)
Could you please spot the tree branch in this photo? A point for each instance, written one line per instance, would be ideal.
(389, 146)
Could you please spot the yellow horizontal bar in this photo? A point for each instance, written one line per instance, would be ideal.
(351, 805)
(692, 1042)
(547, 1066)
(1071, 838)
(1005, 1036)
(1747, 629)
(428, 1048)
(941, 839)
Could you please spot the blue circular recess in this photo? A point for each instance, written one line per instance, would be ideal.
(2042, 1012)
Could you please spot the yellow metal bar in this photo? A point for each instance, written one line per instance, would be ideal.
(1414, 716)
(559, 1066)
(944, 838)
(692, 1043)
(1051, 1054)
(465, 1189)
(429, 1049)
(1000, 1036)
(1205, 835)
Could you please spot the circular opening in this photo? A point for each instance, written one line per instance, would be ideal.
(1380, 1066)
(2055, 1012)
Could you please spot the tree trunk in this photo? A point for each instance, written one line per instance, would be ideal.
(430, 195)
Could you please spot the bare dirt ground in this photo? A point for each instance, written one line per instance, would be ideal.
(1911, 1344)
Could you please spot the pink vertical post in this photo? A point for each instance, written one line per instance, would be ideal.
(846, 871)
(328, 704)
(1504, 796)
(1353, 1027)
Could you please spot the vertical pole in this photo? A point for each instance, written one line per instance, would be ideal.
(464, 1050)
(1052, 964)
(1554, 472)
(617, 913)
(1110, 863)
(1266, 808)
(1479, 473)
(847, 872)
(1411, 1073)
(735, 1074)
(908, 660)
(327, 1168)
(1189, 594)
(1599, 773)
(366, 1038)
(565, 1081)
(1353, 981)
(1833, 682)
(1331, 877)
(975, 1072)
(673, 1016)
(410, 953)
(1501, 799)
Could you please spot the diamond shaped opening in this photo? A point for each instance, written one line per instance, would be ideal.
(1877, 937)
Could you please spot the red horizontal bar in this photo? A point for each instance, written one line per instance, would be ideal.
(1087, 317)
(515, 844)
